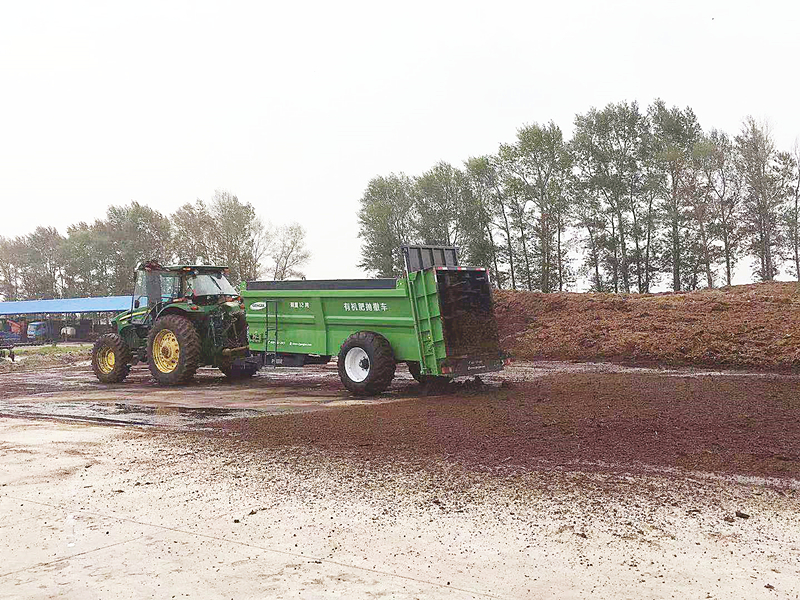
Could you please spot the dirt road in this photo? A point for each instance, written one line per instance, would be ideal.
(553, 480)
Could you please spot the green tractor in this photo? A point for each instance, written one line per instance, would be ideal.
(181, 318)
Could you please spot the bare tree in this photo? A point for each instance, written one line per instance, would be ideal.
(288, 252)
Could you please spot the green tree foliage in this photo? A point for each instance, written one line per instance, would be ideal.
(135, 231)
(791, 211)
(675, 133)
(89, 261)
(543, 166)
(386, 221)
(442, 199)
(486, 226)
(98, 259)
(766, 174)
(241, 238)
(721, 185)
(194, 234)
(40, 270)
(637, 198)
(9, 269)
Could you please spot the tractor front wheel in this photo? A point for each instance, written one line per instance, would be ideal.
(366, 363)
(111, 359)
(173, 350)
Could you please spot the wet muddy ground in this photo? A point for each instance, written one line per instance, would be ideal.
(73, 393)
(551, 479)
(571, 415)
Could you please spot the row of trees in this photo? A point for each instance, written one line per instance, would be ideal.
(98, 259)
(635, 199)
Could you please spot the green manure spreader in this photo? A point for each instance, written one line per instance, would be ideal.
(438, 319)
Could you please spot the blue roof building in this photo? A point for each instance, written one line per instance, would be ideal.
(66, 305)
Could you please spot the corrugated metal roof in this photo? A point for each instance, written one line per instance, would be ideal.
(66, 305)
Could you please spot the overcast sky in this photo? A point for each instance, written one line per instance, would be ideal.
(294, 106)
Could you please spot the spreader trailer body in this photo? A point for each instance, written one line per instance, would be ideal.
(438, 319)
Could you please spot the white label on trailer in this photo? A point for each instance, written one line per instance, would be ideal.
(366, 306)
(258, 306)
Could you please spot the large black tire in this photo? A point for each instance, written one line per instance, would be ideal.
(366, 363)
(173, 361)
(111, 358)
(237, 369)
(426, 380)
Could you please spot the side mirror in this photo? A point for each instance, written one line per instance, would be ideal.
(136, 304)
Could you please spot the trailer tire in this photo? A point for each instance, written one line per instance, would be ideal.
(111, 358)
(173, 335)
(436, 381)
(366, 363)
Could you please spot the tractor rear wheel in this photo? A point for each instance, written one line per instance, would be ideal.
(111, 358)
(366, 363)
(173, 350)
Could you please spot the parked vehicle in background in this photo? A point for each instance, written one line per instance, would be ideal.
(9, 337)
(8, 331)
(40, 332)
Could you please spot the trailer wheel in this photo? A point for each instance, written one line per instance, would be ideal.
(111, 358)
(173, 350)
(366, 363)
(426, 380)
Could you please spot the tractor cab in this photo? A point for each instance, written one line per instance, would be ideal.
(157, 286)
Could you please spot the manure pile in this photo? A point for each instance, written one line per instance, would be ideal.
(746, 326)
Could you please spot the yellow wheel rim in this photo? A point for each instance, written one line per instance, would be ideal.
(106, 360)
(166, 351)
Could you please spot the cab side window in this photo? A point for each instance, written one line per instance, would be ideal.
(170, 287)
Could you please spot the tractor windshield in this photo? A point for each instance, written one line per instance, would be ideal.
(154, 287)
(209, 284)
